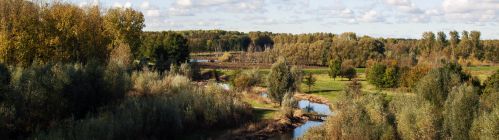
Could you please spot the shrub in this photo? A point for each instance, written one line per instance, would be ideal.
(410, 77)
(459, 111)
(297, 74)
(436, 85)
(349, 73)
(280, 81)
(168, 115)
(415, 118)
(246, 80)
(226, 57)
(42, 95)
(356, 116)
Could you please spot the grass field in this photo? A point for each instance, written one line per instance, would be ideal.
(330, 88)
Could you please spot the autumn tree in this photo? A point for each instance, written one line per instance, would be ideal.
(125, 25)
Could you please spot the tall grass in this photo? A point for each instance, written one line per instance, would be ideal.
(163, 107)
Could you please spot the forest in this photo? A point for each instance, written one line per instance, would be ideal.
(71, 72)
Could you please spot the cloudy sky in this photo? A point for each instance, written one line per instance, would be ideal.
(379, 18)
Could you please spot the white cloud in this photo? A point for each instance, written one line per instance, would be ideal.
(371, 16)
(191, 7)
(471, 11)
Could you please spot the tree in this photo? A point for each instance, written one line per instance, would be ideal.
(477, 49)
(334, 68)
(376, 74)
(428, 42)
(436, 85)
(309, 81)
(125, 25)
(454, 41)
(280, 81)
(171, 48)
(297, 74)
(349, 73)
(441, 40)
(459, 111)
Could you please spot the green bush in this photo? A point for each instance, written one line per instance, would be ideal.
(437, 84)
(349, 73)
(383, 76)
(281, 80)
(459, 111)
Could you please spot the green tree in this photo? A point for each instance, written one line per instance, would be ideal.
(375, 75)
(171, 49)
(309, 81)
(334, 68)
(477, 49)
(459, 111)
(349, 73)
(280, 80)
(454, 41)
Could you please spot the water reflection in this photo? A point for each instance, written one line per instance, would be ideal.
(322, 109)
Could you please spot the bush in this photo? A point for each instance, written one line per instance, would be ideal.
(42, 95)
(246, 80)
(436, 85)
(383, 76)
(459, 111)
(280, 81)
(410, 77)
(356, 116)
(415, 118)
(349, 73)
(168, 115)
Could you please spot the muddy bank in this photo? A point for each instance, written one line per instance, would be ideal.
(264, 129)
(311, 98)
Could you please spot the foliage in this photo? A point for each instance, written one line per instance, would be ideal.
(410, 77)
(334, 68)
(459, 111)
(247, 79)
(415, 118)
(349, 73)
(297, 74)
(383, 76)
(280, 81)
(61, 32)
(166, 48)
(437, 84)
(171, 113)
(309, 80)
(42, 95)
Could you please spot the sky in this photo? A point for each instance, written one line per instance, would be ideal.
(377, 18)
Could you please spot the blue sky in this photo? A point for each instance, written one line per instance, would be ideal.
(378, 18)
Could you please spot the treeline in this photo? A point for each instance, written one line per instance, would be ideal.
(446, 104)
(319, 48)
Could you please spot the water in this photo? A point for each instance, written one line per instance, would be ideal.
(298, 131)
(322, 109)
(224, 86)
(264, 94)
(202, 60)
